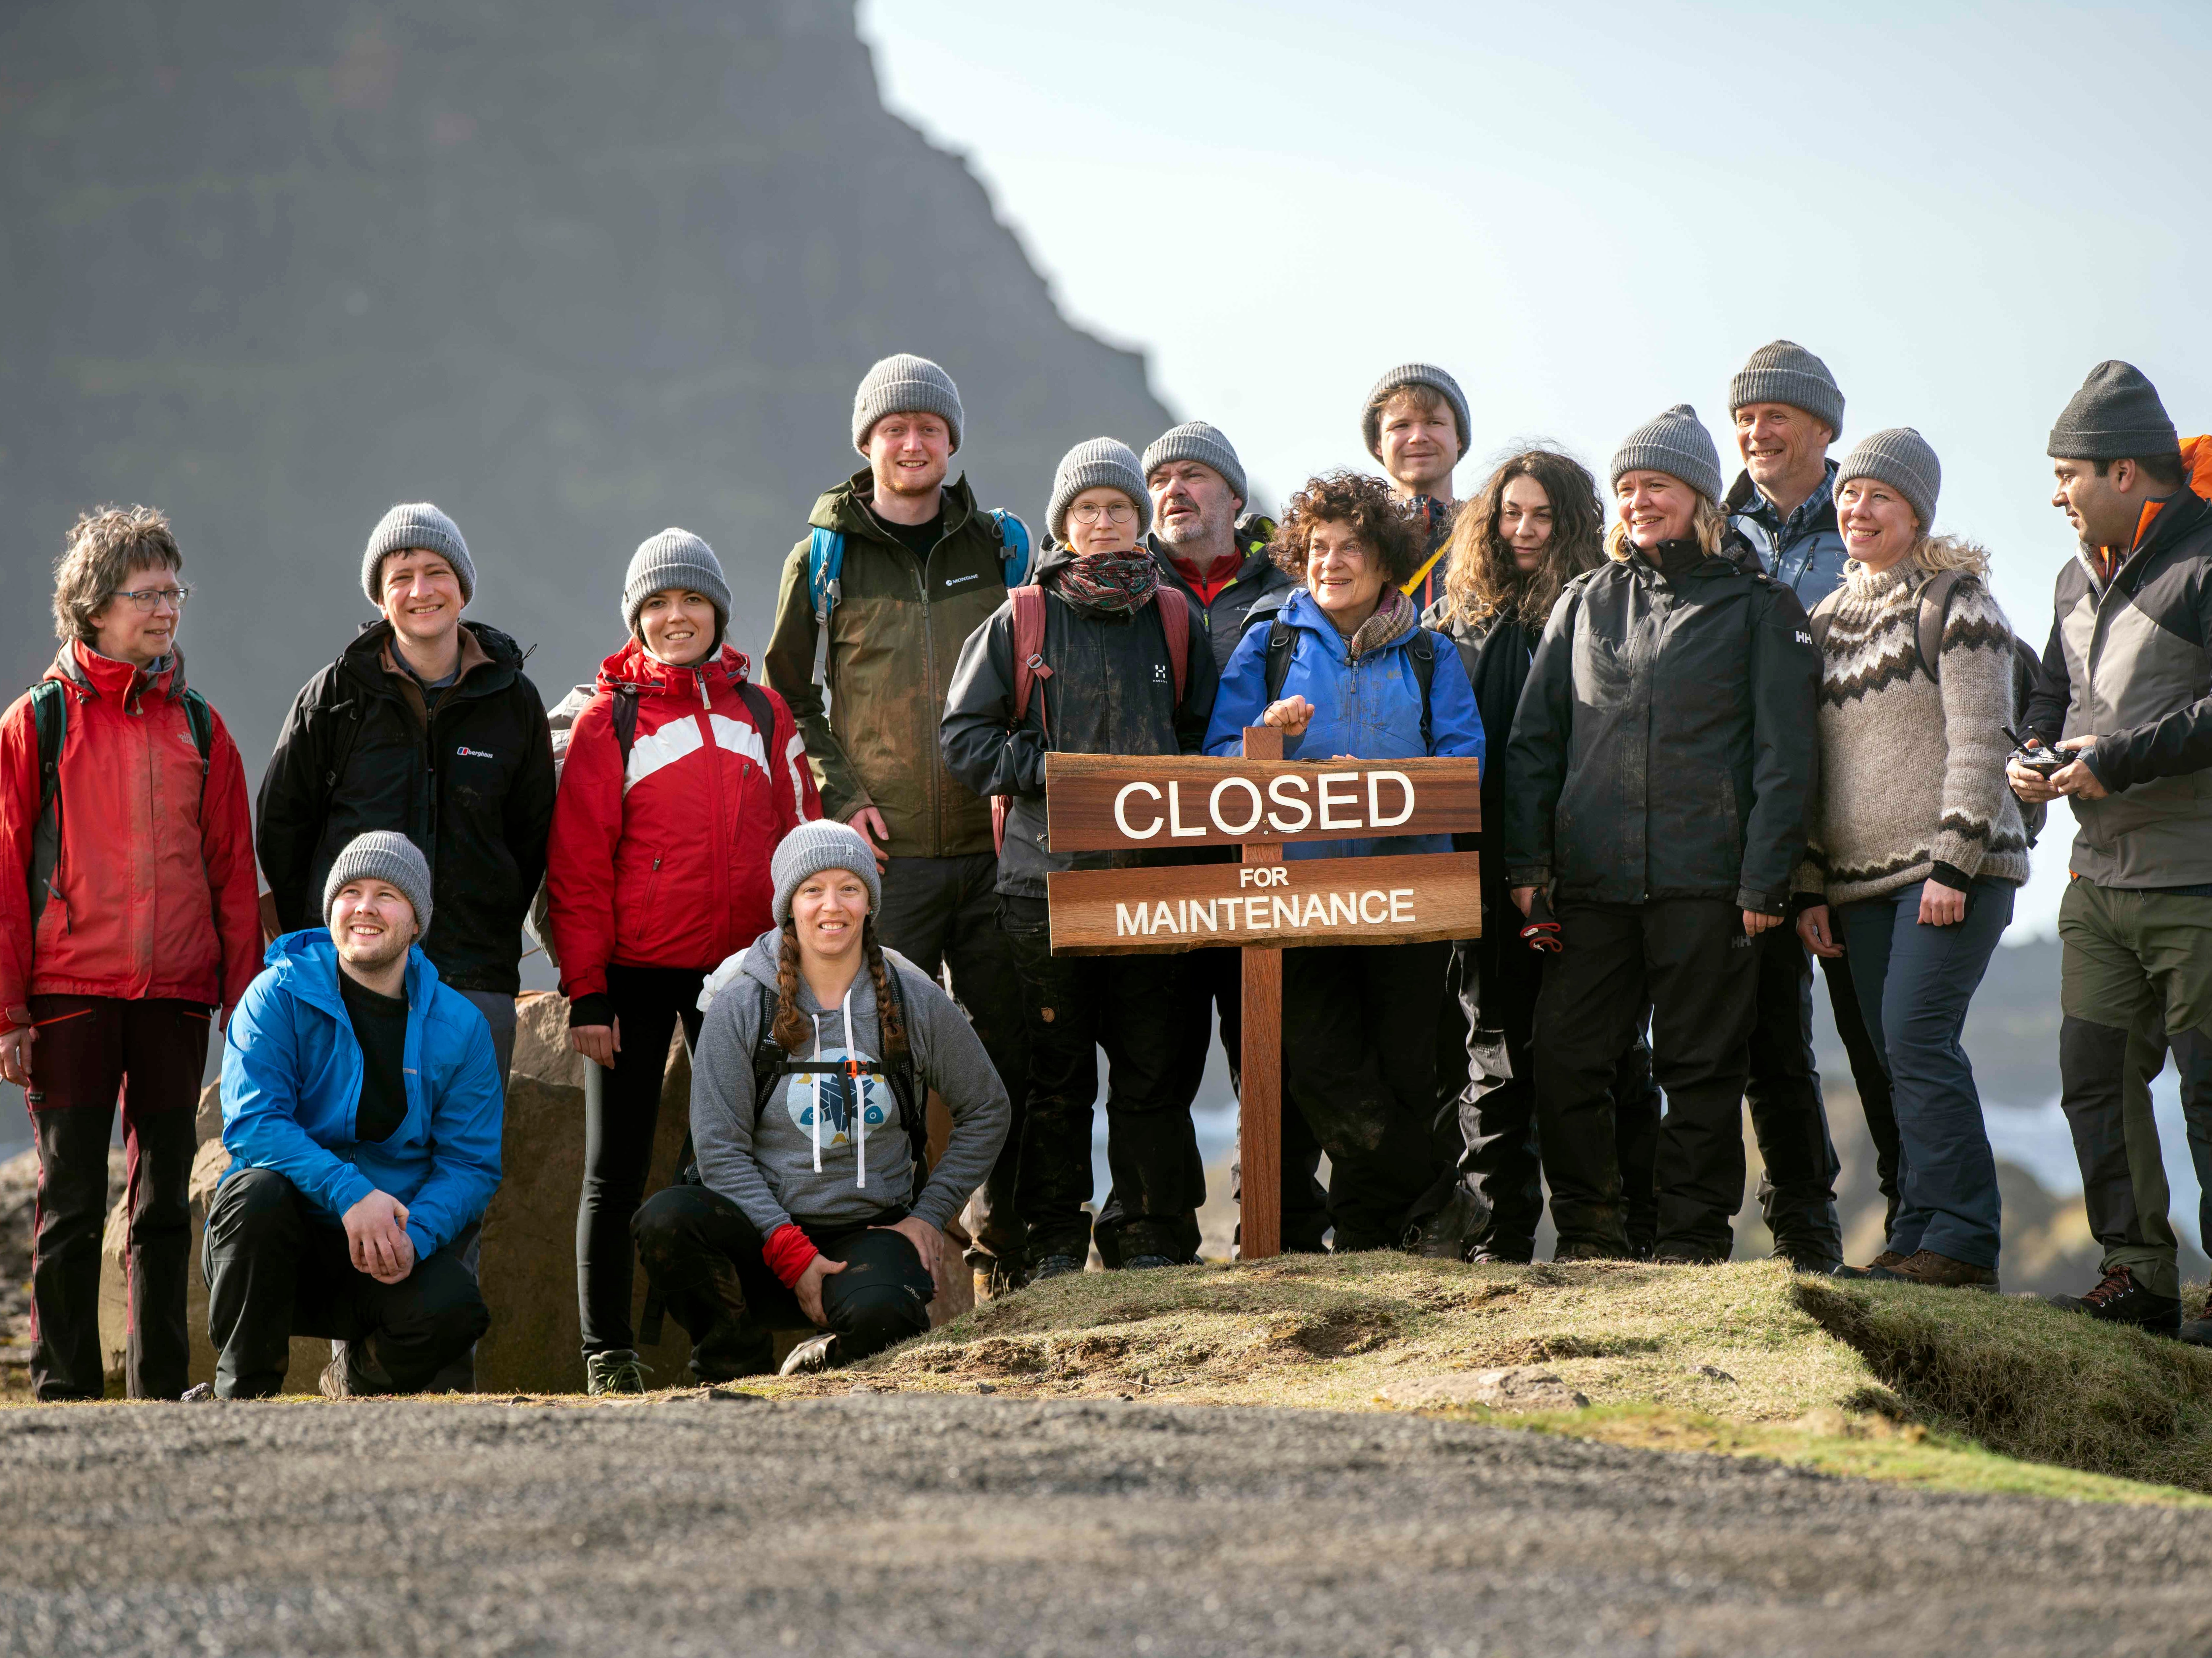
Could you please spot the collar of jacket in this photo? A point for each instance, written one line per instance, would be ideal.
(634, 665)
(1744, 497)
(2176, 514)
(308, 967)
(846, 509)
(1253, 559)
(364, 659)
(1706, 563)
(90, 674)
(1303, 611)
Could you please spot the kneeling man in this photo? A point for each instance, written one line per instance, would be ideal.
(361, 1110)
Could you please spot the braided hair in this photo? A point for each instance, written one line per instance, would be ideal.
(792, 1031)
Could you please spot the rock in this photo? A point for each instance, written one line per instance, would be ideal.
(1522, 1388)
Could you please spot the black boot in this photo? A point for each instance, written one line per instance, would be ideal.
(2119, 1299)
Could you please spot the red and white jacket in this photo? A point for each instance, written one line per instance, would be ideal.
(153, 890)
(664, 862)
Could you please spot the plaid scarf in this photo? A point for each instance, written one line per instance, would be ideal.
(1109, 582)
(1394, 618)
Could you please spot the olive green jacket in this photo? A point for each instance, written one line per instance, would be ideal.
(893, 635)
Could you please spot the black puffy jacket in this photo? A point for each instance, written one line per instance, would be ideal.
(471, 784)
(1111, 692)
(1666, 744)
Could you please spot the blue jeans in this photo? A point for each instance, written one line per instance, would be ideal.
(1913, 985)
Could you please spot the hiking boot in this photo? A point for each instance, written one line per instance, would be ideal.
(1447, 1232)
(996, 1277)
(1938, 1272)
(1053, 1267)
(1584, 1250)
(812, 1356)
(1888, 1261)
(2197, 1332)
(618, 1371)
(1675, 1255)
(2119, 1299)
(352, 1373)
(1147, 1263)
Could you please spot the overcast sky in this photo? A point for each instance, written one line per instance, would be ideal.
(1589, 212)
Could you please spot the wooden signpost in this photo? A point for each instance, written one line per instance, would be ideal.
(1113, 802)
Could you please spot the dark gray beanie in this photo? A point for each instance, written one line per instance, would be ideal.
(812, 848)
(416, 525)
(904, 385)
(675, 558)
(1785, 372)
(1677, 444)
(1107, 461)
(382, 855)
(2116, 416)
(1196, 440)
(1900, 457)
(1413, 374)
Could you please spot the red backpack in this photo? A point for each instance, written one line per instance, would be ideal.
(1029, 665)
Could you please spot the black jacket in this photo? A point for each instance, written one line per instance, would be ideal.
(472, 786)
(1258, 578)
(1666, 745)
(1112, 691)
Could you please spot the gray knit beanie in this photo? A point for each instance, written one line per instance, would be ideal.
(812, 848)
(418, 524)
(904, 385)
(382, 855)
(2116, 416)
(1900, 457)
(1413, 374)
(1785, 372)
(1107, 461)
(1196, 440)
(1675, 443)
(675, 558)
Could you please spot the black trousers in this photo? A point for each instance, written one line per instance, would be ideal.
(942, 913)
(1871, 1075)
(1359, 1052)
(621, 1115)
(277, 1269)
(704, 1258)
(1797, 1190)
(88, 1049)
(1494, 984)
(1686, 959)
(1145, 1013)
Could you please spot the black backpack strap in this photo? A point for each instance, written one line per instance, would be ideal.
(905, 1084)
(1281, 637)
(1423, 650)
(200, 719)
(625, 723)
(50, 718)
(763, 713)
(1822, 616)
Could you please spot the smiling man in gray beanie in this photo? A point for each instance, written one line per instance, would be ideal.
(865, 662)
(2122, 694)
(1416, 424)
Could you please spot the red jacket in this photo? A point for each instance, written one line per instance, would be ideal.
(665, 863)
(153, 891)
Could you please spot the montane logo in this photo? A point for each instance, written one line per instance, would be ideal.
(954, 582)
(468, 753)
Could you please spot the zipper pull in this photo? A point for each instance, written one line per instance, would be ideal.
(705, 701)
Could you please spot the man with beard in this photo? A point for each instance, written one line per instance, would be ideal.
(356, 1178)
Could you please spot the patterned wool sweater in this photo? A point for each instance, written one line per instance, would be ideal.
(1912, 768)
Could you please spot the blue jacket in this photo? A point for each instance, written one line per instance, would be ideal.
(291, 1083)
(1805, 552)
(1370, 709)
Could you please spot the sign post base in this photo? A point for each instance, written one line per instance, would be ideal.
(1260, 1103)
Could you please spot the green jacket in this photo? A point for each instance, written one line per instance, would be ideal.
(895, 632)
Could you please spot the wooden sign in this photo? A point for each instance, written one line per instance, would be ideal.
(1315, 901)
(1115, 802)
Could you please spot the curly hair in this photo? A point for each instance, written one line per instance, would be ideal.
(794, 1032)
(1384, 524)
(1482, 581)
(104, 548)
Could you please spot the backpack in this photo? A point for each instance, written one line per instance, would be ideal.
(1030, 666)
(825, 565)
(1282, 637)
(1933, 615)
(771, 1061)
(50, 718)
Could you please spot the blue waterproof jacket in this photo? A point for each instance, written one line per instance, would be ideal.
(1805, 554)
(1371, 708)
(291, 1085)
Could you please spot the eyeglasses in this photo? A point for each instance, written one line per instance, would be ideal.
(1119, 513)
(147, 599)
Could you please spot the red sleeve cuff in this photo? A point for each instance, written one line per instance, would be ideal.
(788, 1252)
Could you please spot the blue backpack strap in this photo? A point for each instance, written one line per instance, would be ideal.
(825, 564)
(1014, 541)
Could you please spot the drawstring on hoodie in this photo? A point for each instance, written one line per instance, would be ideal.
(854, 1077)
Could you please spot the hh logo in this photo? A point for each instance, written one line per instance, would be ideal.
(1804, 638)
(468, 753)
(1159, 673)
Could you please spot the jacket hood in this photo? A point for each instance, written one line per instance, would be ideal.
(634, 665)
(78, 664)
(845, 507)
(307, 965)
(362, 654)
(757, 961)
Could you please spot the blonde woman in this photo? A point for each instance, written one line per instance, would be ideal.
(1917, 845)
(1656, 789)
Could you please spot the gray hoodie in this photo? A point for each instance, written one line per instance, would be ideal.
(798, 1162)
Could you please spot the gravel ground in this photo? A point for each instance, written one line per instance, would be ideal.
(933, 1524)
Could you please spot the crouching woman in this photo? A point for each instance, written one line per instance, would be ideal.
(1344, 669)
(812, 1204)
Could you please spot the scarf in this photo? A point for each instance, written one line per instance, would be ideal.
(1393, 618)
(1109, 582)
